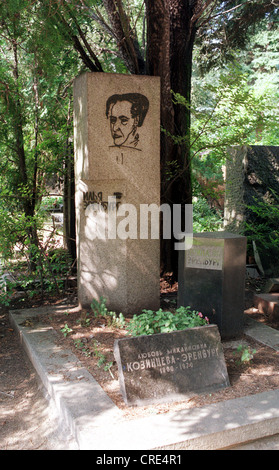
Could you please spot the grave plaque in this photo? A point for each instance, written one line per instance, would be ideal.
(212, 279)
(117, 170)
(169, 367)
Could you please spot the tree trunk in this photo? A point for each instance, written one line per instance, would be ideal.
(27, 198)
(69, 193)
(182, 42)
(170, 40)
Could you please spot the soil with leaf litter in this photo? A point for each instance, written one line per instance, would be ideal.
(252, 367)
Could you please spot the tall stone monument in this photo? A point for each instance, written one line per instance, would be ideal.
(117, 170)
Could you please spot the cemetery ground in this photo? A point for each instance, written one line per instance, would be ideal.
(92, 340)
(252, 367)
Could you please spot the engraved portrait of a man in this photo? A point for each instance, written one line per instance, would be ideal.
(126, 113)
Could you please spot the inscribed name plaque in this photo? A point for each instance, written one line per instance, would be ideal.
(205, 257)
(169, 367)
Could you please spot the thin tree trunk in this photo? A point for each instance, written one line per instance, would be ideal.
(69, 193)
(18, 122)
(28, 200)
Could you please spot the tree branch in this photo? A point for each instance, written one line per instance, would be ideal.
(68, 33)
(199, 11)
(127, 41)
(87, 45)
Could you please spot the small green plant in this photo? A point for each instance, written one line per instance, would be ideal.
(85, 319)
(99, 307)
(102, 360)
(246, 354)
(150, 322)
(5, 292)
(113, 319)
(79, 344)
(66, 330)
(116, 321)
(4, 299)
(107, 367)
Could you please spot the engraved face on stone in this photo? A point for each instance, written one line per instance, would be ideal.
(126, 114)
(123, 126)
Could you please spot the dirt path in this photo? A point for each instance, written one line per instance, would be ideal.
(26, 420)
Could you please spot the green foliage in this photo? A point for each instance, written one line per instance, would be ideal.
(58, 261)
(99, 307)
(205, 219)
(235, 102)
(102, 360)
(66, 330)
(226, 112)
(36, 69)
(6, 290)
(262, 228)
(260, 61)
(39, 267)
(87, 352)
(232, 26)
(35, 100)
(85, 321)
(79, 344)
(150, 322)
(246, 354)
(100, 310)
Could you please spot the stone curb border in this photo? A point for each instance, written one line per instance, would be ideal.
(97, 424)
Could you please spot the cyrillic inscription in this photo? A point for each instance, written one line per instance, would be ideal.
(205, 257)
(92, 197)
(174, 358)
(168, 366)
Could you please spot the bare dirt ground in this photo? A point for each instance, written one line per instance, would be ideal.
(23, 409)
(26, 420)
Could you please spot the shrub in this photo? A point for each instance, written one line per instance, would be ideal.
(150, 322)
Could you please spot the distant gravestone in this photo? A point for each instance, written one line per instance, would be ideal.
(268, 304)
(272, 285)
(252, 181)
(170, 366)
(212, 279)
(117, 166)
(251, 176)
